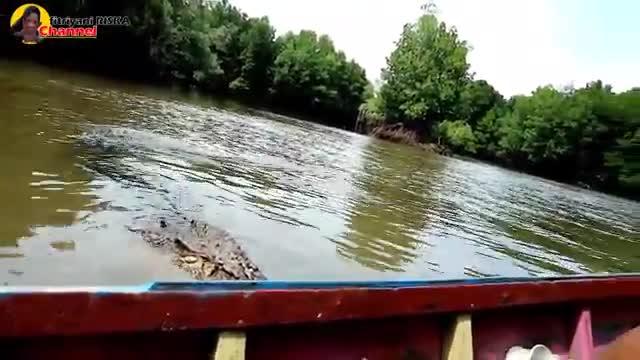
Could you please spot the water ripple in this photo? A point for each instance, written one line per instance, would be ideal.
(310, 201)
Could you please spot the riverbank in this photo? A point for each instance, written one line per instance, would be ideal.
(398, 133)
(409, 137)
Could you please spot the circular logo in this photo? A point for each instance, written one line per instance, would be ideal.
(26, 22)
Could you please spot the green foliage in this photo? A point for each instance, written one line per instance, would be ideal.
(257, 57)
(625, 157)
(476, 99)
(371, 111)
(544, 127)
(375, 105)
(589, 135)
(426, 73)
(487, 131)
(459, 135)
(310, 74)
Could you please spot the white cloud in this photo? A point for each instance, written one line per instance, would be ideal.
(516, 43)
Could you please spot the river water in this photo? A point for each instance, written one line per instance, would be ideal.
(82, 157)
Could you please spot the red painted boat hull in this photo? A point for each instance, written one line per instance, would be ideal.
(398, 320)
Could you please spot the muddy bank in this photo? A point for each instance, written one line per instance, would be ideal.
(399, 134)
(205, 252)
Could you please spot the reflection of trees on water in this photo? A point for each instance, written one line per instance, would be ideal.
(565, 236)
(40, 183)
(594, 248)
(391, 208)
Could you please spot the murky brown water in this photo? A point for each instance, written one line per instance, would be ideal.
(81, 157)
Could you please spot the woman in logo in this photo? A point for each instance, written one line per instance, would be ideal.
(30, 22)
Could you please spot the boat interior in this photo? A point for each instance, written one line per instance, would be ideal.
(569, 330)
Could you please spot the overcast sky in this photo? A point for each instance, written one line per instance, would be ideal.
(517, 44)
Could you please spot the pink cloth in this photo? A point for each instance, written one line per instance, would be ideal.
(582, 342)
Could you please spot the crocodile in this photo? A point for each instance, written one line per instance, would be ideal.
(205, 252)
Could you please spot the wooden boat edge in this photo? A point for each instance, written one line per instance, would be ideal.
(252, 285)
(227, 305)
